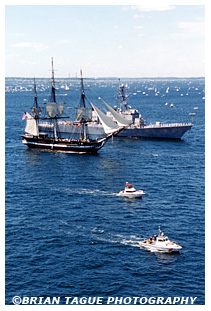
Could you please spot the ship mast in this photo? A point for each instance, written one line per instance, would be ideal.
(82, 105)
(123, 96)
(36, 110)
(53, 93)
(35, 95)
(53, 109)
(53, 99)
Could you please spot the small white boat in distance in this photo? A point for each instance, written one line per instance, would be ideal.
(160, 243)
(131, 192)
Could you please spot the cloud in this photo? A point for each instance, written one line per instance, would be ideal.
(27, 62)
(120, 47)
(138, 27)
(32, 45)
(192, 29)
(17, 34)
(146, 8)
(63, 41)
(136, 16)
(12, 55)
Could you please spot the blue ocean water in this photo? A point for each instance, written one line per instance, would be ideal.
(68, 234)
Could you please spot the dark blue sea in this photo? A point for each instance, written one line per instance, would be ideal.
(67, 232)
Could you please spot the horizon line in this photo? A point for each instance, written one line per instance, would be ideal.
(157, 77)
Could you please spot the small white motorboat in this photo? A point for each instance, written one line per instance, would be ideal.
(160, 243)
(131, 192)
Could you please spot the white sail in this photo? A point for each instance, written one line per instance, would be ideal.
(120, 120)
(109, 126)
(31, 125)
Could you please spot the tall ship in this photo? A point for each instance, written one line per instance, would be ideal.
(46, 132)
(138, 128)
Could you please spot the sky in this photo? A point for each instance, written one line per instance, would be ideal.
(105, 40)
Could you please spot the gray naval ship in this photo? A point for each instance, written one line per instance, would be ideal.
(138, 128)
(130, 119)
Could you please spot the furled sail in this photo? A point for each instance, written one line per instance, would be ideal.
(120, 120)
(31, 125)
(84, 114)
(108, 125)
(54, 109)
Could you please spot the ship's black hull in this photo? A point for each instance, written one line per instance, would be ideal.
(62, 145)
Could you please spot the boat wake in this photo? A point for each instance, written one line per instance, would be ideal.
(99, 235)
(130, 240)
(93, 192)
(96, 192)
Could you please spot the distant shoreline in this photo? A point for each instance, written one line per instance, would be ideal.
(110, 78)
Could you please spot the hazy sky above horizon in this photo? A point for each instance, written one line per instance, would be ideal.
(105, 40)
